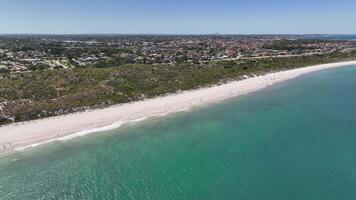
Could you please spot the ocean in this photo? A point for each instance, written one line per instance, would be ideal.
(346, 37)
(342, 37)
(294, 140)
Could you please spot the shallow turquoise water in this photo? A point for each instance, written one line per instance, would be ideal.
(295, 140)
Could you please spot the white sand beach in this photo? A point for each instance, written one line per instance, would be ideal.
(21, 136)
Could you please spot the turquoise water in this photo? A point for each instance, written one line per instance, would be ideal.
(295, 140)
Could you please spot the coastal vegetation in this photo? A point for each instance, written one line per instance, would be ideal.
(44, 93)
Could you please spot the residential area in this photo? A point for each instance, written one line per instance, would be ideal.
(19, 53)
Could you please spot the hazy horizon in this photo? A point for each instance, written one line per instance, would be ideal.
(191, 34)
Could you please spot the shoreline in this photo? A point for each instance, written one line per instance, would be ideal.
(25, 135)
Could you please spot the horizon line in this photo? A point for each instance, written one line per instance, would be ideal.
(177, 34)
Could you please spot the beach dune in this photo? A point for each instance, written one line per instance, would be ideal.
(21, 136)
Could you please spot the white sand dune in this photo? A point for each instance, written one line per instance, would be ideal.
(30, 134)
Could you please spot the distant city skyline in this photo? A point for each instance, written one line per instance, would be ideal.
(177, 17)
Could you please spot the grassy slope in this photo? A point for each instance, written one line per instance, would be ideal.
(41, 94)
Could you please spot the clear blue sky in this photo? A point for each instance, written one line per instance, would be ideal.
(178, 16)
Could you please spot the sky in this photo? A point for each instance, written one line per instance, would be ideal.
(178, 16)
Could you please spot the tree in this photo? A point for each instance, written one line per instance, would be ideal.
(4, 71)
